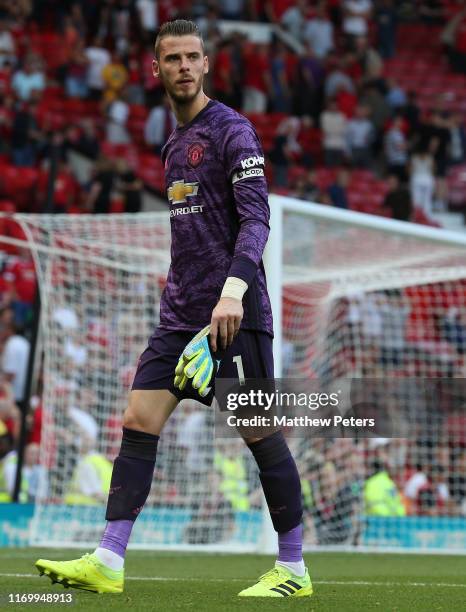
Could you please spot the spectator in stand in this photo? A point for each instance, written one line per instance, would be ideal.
(299, 190)
(98, 58)
(153, 88)
(148, 17)
(208, 24)
(294, 19)
(318, 32)
(356, 14)
(7, 44)
(257, 81)
(307, 90)
(6, 75)
(435, 136)
(29, 80)
(25, 135)
(88, 142)
(398, 201)
(134, 90)
(6, 445)
(78, 19)
(412, 113)
(427, 490)
(15, 359)
(381, 495)
(223, 73)
(34, 476)
(453, 38)
(431, 12)
(334, 130)
(338, 80)
(125, 19)
(338, 190)
(457, 147)
(386, 21)
(422, 183)
(67, 189)
(70, 36)
(368, 58)
(360, 137)
(130, 186)
(76, 73)
(34, 473)
(275, 9)
(101, 187)
(117, 118)
(20, 274)
(159, 125)
(10, 414)
(58, 143)
(312, 191)
(103, 26)
(232, 9)
(379, 111)
(281, 91)
(238, 41)
(115, 77)
(286, 148)
(396, 96)
(396, 148)
(458, 486)
(90, 481)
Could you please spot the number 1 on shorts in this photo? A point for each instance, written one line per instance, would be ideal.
(239, 364)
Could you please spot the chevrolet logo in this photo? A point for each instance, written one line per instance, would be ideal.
(179, 191)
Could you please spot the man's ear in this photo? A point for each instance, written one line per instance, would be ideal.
(206, 64)
(155, 68)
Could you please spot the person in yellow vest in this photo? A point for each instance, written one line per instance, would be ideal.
(5, 446)
(90, 482)
(8, 473)
(114, 77)
(231, 467)
(381, 495)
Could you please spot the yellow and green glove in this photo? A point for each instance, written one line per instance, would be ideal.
(196, 363)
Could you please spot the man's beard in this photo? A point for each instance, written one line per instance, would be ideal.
(186, 98)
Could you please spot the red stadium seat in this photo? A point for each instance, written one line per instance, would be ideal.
(138, 111)
(7, 206)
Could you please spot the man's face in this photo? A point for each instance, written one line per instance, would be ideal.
(181, 67)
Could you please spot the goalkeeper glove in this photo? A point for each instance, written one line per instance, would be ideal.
(196, 363)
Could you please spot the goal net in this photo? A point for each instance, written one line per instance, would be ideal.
(379, 306)
(355, 297)
(100, 280)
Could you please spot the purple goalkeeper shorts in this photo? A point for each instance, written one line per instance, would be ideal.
(249, 356)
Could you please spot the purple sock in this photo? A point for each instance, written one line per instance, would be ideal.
(290, 545)
(116, 536)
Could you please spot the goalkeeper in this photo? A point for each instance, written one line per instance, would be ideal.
(215, 300)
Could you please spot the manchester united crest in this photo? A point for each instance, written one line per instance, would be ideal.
(195, 154)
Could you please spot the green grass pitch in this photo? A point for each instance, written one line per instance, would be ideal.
(204, 583)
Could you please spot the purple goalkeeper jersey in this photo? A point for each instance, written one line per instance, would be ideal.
(219, 215)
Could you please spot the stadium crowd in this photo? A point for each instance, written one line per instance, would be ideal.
(76, 76)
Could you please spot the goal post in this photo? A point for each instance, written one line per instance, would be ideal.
(285, 215)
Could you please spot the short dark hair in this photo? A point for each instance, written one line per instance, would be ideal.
(178, 27)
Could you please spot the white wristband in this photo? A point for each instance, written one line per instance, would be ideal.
(234, 288)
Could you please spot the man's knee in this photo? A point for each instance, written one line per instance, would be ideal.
(148, 410)
(132, 420)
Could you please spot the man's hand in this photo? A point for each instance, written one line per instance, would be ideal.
(225, 322)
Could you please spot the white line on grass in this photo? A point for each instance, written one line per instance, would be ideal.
(330, 582)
